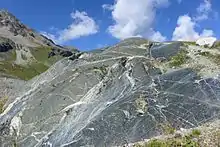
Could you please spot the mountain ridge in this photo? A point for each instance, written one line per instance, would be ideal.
(11, 23)
(23, 48)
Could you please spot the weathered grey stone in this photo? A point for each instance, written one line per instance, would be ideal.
(109, 98)
(6, 44)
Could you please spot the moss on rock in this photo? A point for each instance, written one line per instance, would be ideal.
(22, 72)
(179, 59)
(181, 141)
(141, 104)
(2, 103)
(167, 129)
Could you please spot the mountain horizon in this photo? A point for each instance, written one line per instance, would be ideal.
(101, 24)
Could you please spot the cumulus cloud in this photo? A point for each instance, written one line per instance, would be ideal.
(82, 25)
(50, 36)
(186, 25)
(107, 7)
(185, 30)
(203, 11)
(134, 18)
(207, 33)
(157, 36)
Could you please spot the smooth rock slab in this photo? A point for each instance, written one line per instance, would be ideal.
(109, 98)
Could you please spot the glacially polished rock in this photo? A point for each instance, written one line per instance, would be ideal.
(109, 98)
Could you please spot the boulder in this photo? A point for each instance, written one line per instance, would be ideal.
(206, 41)
(51, 54)
(4, 47)
(6, 44)
(66, 53)
(75, 56)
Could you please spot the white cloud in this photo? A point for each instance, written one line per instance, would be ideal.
(185, 31)
(134, 18)
(82, 25)
(48, 35)
(207, 33)
(107, 7)
(203, 11)
(157, 36)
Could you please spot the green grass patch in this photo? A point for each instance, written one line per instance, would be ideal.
(179, 59)
(167, 129)
(41, 55)
(217, 44)
(102, 70)
(22, 72)
(2, 103)
(12, 55)
(8, 56)
(185, 141)
(27, 72)
(156, 143)
(189, 140)
(195, 132)
(189, 43)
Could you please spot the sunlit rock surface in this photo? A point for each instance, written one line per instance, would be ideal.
(109, 97)
(208, 41)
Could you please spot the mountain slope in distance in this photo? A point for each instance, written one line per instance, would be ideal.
(24, 53)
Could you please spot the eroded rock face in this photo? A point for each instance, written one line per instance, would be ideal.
(14, 29)
(10, 87)
(8, 20)
(109, 98)
(4, 47)
(24, 53)
(6, 44)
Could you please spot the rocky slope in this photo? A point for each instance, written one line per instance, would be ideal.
(24, 52)
(207, 135)
(117, 96)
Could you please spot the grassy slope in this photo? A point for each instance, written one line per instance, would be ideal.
(42, 63)
(41, 55)
(207, 135)
(217, 44)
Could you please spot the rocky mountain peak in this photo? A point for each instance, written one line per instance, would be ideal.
(23, 48)
(13, 24)
(6, 14)
(13, 28)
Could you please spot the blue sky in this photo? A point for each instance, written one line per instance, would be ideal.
(89, 24)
